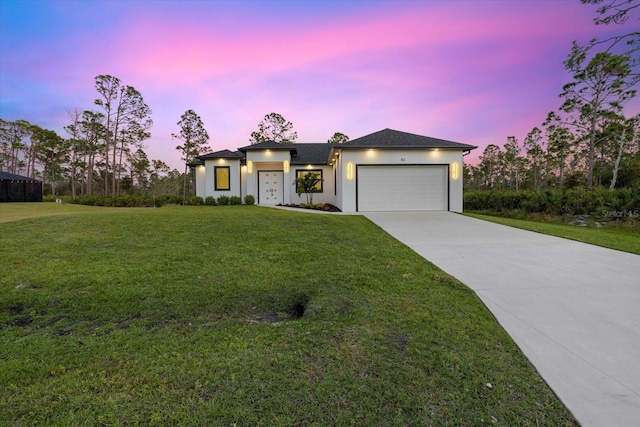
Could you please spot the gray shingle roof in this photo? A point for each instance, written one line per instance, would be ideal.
(222, 154)
(301, 154)
(6, 176)
(389, 138)
(267, 145)
(313, 154)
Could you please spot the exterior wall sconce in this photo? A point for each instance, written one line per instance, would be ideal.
(285, 166)
(249, 166)
(350, 173)
(455, 170)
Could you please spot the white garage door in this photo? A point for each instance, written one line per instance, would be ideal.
(402, 188)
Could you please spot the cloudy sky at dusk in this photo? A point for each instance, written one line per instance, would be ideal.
(472, 71)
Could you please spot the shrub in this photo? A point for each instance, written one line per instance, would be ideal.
(130, 201)
(195, 201)
(578, 201)
(167, 199)
(249, 200)
(210, 201)
(235, 200)
(223, 200)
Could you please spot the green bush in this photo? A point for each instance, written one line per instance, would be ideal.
(195, 201)
(223, 200)
(210, 201)
(127, 201)
(235, 200)
(249, 200)
(578, 201)
(167, 199)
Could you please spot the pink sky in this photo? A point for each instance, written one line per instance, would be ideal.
(472, 71)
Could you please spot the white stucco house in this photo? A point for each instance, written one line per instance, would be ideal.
(387, 170)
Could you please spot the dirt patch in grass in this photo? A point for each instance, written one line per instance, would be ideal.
(293, 311)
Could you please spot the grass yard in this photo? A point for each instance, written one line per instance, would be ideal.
(16, 211)
(623, 237)
(244, 316)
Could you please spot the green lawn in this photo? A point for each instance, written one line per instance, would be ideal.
(246, 316)
(16, 211)
(623, 237)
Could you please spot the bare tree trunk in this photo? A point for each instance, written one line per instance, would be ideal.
(561, 174)
(73, 182)
(592, 152)
(184, 186)
(115, 149)
(120, 166)
(617, 163)
(90, 174)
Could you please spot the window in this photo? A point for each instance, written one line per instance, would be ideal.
(300, 173)
(222, 181)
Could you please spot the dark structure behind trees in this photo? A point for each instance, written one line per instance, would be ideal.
(16, 188)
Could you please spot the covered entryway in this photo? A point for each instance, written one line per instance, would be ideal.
(270, 187)
(383, 188)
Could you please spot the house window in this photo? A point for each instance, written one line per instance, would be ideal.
(222, 180)
(300, 173)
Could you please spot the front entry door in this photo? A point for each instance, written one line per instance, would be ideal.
(271, 187)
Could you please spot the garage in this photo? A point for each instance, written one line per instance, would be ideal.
(402, 188)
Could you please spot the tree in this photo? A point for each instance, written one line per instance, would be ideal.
(616, 12)
(275, 128)
(338, 138)
(599, 88)
(107, 87)
(127, 120)
(140, 168)
(533, 144)
(627, 133)
(157, 167)
(307, 184)
(488, 164)
(76, 148)
(51, 151)
(194, 137)
(13, 148)
(513, 163)
(559, 142)
(131, 138)
(93, 132)
(628, 174)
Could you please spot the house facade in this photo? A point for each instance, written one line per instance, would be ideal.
(385, 171)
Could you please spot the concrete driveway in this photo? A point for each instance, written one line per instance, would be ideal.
(573, 308)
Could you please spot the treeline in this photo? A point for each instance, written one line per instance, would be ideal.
(556, 157)
(102, 157)
(101, 153)
(590, 140)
